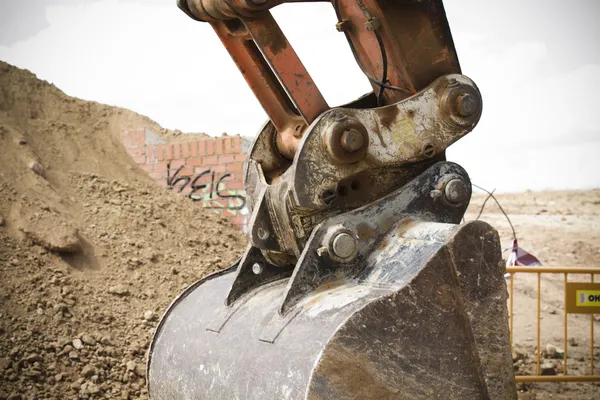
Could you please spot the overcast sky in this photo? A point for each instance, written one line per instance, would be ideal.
(537, 64)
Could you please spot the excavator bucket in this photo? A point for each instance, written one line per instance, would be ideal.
(423, 315)
(358, 282)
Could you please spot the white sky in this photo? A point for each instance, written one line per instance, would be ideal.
(537, 64)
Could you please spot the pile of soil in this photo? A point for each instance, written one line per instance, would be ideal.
(91, 250)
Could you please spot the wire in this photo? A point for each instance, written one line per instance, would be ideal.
(491, 194)
(382, 84)
(483, 205)
(384, 62)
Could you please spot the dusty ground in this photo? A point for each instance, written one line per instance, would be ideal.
(560, 228)
(92, 251)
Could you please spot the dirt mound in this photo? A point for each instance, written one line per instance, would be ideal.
(91, 250)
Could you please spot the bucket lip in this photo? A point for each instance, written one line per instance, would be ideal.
(176, 301)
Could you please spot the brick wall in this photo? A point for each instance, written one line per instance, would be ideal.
(208, 170)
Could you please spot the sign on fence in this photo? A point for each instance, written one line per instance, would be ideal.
(583, 298)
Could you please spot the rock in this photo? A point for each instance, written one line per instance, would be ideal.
(87, 339)
(21, 141)
(549, 351)
(519, 354)
(32, 357)
(130, 366)
(14, 396)
(58, 377)
(88, 371)
(92, 388)
(77, 344)
(2, 221)
(60, 239)
(149, 316)
(119, 290)
(37, 168)
(573, 342)
(4, 363)
(547, 368)
(73, 355)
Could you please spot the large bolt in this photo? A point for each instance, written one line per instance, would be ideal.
(456, 191)
(352, 140)
(343, 245)
(466, 104)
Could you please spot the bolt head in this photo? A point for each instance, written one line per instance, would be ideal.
(344, 245)
(257, 268)
(352, 140)
(456, 191)
(466, 104)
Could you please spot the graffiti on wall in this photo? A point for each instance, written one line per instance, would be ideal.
(207, 192)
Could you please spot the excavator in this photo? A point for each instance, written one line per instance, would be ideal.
(359, 280)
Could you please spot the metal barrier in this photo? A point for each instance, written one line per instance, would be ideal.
(575, 297)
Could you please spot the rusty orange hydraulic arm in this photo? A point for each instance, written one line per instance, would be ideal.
(401, 46)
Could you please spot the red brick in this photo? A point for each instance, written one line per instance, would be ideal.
(224, 159)
(238, 176)
(161, 166)
(161, 182)
(168, 151)
(227, 145)
(237, 144)
(239, 220)
(235, 185)
(200, 170)
(234, 167)
(218, 203)
(193, 149)
(219, 145)
(210, 160)
(202, 147)
(136, 137)
(186, 172)
(193, 162)
(176, 150)
(240, 157)
(160, 152)
(177, 163)
(187, 189)
(147, 167)
(185, 149)
(218, 169)
(228, 214)
(139, 159)
(210, 146)
(150, 153)
(136, 151)
(158, 175)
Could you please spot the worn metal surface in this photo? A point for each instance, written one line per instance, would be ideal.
(400, 329)
(403, 140)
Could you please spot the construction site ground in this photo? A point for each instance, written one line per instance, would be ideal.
(92, 252)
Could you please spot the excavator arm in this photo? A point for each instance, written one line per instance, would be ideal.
(358, 282)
